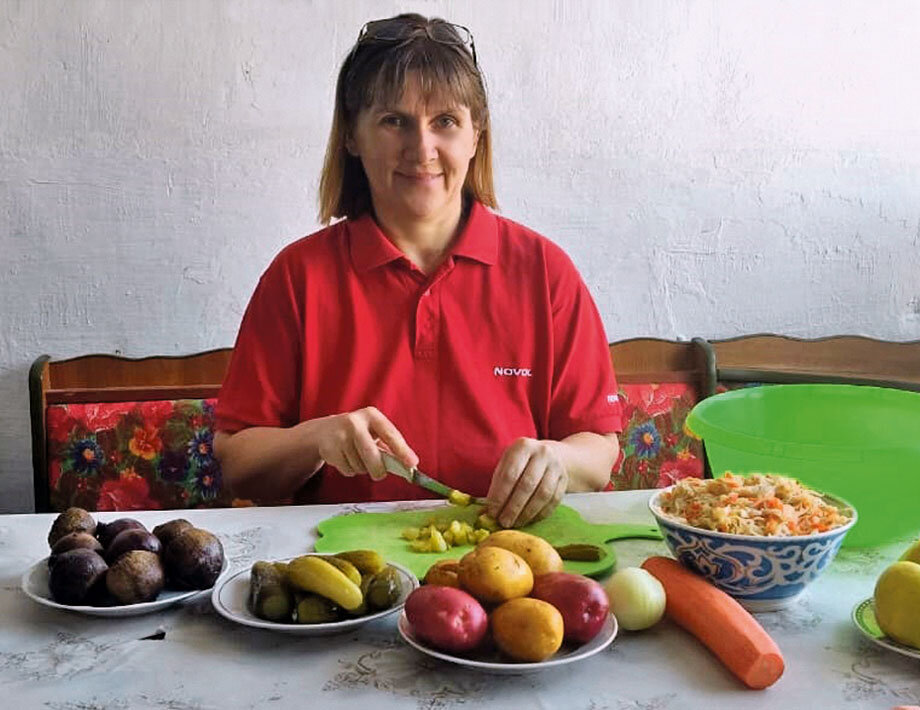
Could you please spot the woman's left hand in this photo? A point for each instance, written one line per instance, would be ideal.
(528, 482)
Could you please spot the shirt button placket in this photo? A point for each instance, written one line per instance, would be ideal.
(426, 325)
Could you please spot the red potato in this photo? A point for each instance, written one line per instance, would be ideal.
(447, 618)
(581, 601)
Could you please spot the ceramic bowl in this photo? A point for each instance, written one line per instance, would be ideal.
(762, 573)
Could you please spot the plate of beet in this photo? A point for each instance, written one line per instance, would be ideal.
(119, 568)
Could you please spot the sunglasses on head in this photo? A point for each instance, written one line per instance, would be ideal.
(399, 30)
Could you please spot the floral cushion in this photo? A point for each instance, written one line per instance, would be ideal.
(134, 456)
(655, 451)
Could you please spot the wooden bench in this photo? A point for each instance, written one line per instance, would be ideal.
(659, 382)
(154, 412)
(843, 359)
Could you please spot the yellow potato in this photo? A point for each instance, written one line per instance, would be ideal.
(494, 575)
(444, 573)
(537, 552)
(528, 630)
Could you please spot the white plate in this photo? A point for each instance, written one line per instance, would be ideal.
(35, 585)
(864, 617)
(603, 639)
(231, 600)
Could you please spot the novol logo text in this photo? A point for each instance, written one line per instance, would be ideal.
(500, 371)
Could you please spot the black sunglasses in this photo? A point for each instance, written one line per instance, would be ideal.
(398, 30)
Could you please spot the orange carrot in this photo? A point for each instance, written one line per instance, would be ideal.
(719, 622)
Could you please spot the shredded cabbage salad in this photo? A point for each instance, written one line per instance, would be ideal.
(757, 504)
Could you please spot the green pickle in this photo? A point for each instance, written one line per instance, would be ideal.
(384, 589)
(270, 598)
(314, 609)
(345, 567)
(582, 552)
(366, 561)
(487, 522)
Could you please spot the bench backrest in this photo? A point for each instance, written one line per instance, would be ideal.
(843, 359)
(115, 433)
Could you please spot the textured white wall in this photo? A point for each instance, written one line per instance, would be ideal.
(714, 168)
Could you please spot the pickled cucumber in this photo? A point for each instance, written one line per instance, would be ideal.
(281, 567)
(459, 497)
(479, 536)
(314, 589)
(384, 589)
(436, 542)
(363, 608)
(582, 552)
(314, 574)
(314, 609)
(345, 567)
(270, 598)
(366, 561)
(441, 535)
(487, 522)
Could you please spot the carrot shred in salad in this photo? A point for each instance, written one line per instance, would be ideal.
(757, 504)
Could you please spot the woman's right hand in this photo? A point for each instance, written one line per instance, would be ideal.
(351, 442)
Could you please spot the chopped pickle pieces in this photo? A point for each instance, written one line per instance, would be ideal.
(439, 535)
(487, 522)
(459, 497)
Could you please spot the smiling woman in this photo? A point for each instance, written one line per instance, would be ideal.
(422, 323)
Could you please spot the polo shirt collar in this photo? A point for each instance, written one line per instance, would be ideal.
(370, 247)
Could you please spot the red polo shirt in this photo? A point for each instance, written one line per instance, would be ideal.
(502, 341)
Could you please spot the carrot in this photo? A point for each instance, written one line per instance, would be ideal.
(719, 622)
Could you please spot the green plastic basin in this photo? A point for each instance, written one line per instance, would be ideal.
(859, 443)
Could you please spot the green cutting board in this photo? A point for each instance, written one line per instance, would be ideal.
(383, 532)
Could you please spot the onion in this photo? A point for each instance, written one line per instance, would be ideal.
(637, 598)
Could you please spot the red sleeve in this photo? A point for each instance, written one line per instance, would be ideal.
(262, 384)
(584, 389)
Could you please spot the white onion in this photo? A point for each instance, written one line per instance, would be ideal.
(637, 598)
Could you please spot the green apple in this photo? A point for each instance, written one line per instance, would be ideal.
(912, 554)
(897, 602)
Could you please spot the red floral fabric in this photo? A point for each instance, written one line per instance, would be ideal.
(655, 451)
(134, 456)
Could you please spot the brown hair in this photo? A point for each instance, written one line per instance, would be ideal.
(374, 73)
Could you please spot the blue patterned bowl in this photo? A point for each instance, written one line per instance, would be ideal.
(762, 573)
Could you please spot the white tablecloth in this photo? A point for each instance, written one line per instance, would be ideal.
(66, 661)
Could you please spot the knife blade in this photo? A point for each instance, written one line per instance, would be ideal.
(415, 477)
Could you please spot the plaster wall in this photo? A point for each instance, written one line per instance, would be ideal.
(713, 167)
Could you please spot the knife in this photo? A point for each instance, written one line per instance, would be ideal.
(414, 476)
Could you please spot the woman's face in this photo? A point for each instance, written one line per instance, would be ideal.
(416, 154)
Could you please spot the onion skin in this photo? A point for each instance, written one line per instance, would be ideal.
(637, 598)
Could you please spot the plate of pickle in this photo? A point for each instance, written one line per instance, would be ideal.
(314, 594)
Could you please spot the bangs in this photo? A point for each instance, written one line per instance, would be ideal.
(444, 74)
(375, 74)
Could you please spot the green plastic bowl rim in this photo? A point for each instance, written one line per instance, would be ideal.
(699, 429)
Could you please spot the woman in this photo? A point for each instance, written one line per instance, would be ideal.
(422, 323)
